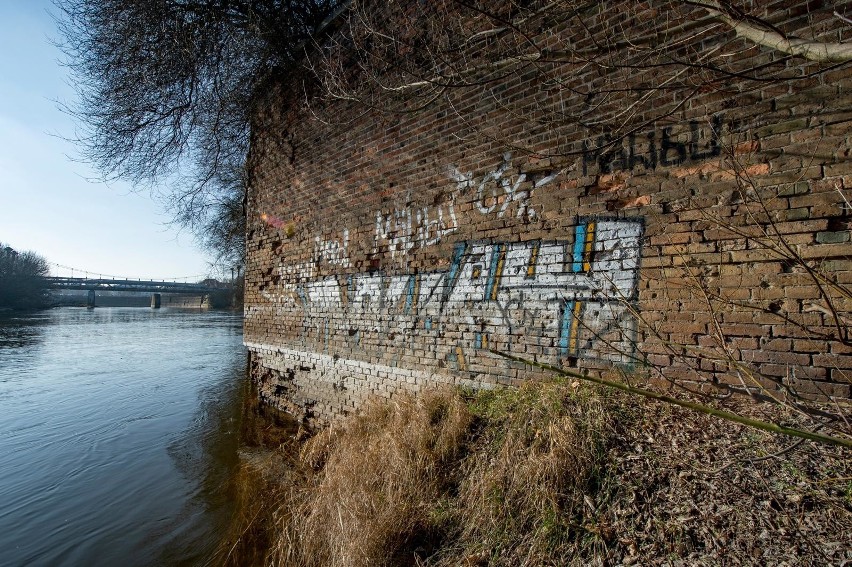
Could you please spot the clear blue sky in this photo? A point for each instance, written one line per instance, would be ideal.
(47, 202)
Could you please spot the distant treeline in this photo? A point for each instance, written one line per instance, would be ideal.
(22, 284)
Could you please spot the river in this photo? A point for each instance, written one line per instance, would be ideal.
(118, 431)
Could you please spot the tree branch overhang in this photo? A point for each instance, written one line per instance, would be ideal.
(818, 51)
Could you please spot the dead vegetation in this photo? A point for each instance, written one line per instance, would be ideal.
(377, 486)
(554, 473)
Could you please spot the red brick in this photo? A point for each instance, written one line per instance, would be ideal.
(331, 165)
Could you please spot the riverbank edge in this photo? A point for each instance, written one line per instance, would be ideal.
(552, 473)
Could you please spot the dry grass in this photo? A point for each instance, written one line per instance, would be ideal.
(528, 475)
(555, 474)
(257, 487)
(378, 479)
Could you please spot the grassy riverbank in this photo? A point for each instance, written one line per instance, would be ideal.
(549, 474)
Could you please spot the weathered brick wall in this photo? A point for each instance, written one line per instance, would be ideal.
(388, 251)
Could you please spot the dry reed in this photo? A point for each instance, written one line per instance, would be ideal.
(378, 477)
(554, 473)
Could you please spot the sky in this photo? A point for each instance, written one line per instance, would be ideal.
(48, 203)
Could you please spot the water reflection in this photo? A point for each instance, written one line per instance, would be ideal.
(116, 427)
(21, 331)
(207, 455)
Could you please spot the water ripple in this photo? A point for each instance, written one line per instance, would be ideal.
(110, 423)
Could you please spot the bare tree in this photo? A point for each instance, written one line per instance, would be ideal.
(165, 92)
(166, 88)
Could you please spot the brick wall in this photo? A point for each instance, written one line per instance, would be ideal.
(576, 213)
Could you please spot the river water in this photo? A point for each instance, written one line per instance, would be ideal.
(118, 431)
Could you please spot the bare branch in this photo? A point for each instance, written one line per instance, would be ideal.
(820, 51)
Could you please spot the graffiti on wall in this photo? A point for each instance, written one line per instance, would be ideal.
(401, 230)
(563, 299)
(498, 192)
(331, 251)
(663, 148)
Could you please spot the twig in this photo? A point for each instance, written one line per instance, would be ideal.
(755, 423)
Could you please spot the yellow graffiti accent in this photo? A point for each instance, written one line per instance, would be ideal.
(533, 260)
(573, 336)
(587, 252)
(460, 358)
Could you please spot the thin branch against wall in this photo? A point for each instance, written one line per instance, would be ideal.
(729, 291)
(619, 55)
(708, 410)
(766, 36)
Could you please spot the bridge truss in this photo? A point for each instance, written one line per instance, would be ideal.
(104, 284)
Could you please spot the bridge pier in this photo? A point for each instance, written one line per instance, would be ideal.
(90, 300)
(156, 300)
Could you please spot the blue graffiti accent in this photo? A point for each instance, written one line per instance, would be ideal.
(494, 271)
(579, 245)
(478, 340)
(427, 324)
(565, 326)
(455, 269)
(300, 290)
(409, 297)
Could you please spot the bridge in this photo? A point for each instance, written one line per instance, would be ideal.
(111, 284)
(94, 282)
(156, 288)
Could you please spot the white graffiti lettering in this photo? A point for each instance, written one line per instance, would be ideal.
(334, 252)
(405, 229)
(568, 299)
(497, 188)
